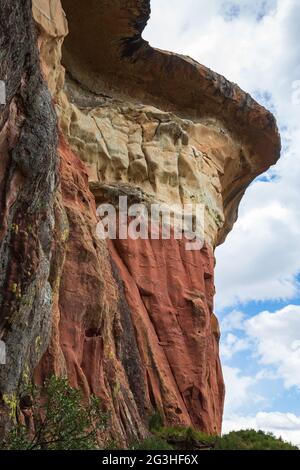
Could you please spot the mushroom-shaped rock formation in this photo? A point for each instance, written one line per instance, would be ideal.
(130, 321)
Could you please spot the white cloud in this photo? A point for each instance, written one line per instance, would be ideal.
(233, 321)
(233, 344)
(285, 425)
(259, 49)
(273, 339)
(276, 338)
(260, 259)
(240, 390)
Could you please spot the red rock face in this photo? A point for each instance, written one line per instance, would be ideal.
(134, 325)
(86, 344)
(170, 294)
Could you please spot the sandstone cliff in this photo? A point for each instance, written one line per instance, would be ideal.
(130, 321)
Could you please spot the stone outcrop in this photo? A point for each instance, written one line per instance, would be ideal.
(28, 183)
(130, 321)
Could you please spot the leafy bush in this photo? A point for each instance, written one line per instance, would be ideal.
(61, 420)
(251, 440)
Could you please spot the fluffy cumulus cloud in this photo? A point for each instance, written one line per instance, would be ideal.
(233, 321)
(276, 339)
(240, 390)
(273, 339)
(232, 345)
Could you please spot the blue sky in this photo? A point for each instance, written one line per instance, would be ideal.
(255, 43)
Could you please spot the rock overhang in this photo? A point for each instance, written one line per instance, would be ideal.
(106, 53)
(105, 44)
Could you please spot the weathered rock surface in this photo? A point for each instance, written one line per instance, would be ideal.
(28, 181)
(131, 321)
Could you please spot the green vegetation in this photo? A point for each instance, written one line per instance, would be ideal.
(60, 419)
(155, 422)
(252, 440)
(188, 439)
(178, 437)
(185, 438)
